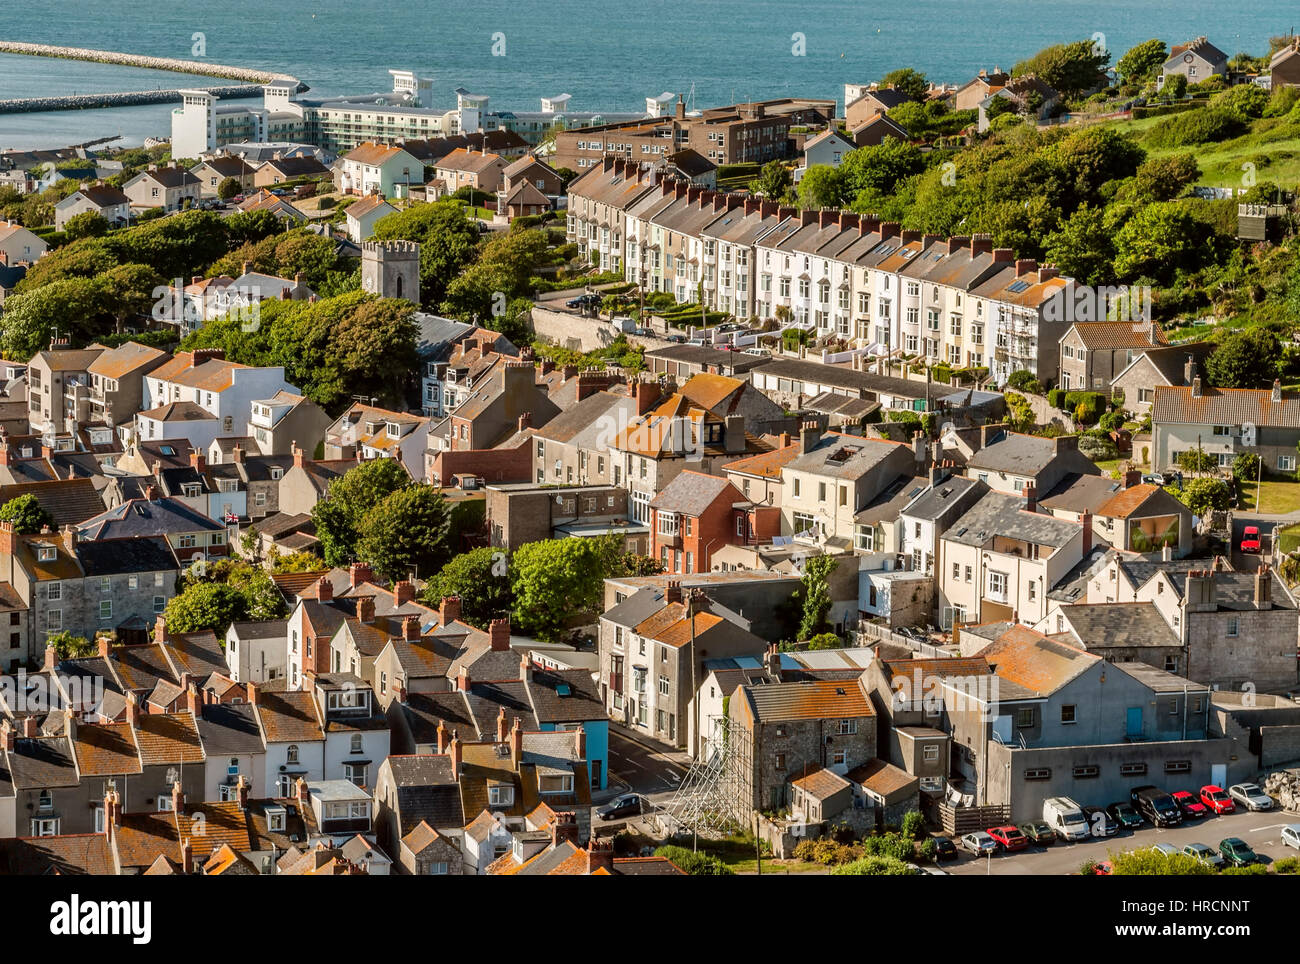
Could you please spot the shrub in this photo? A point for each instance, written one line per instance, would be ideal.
(1111, 421)
(1149, 862)
(1195, 460)
(1202, 126)
(1250, 870)
(1204, 495)
(874, 867)
(1056, 398)
(913, 825)
(1025, 382)
(1246, 467)
(891, 845)
(1097, 449)
(1287, 865)
(929, 850)
(695, 864)
(906, 417)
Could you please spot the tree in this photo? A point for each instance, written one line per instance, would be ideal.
(907, 81)
(446, 237)
(1072, 69)
(1175, 86)
(350, 497)
(502, 272)
(1141, 62)
(26, 514)
(375, 344)
(1091, 156)
(878, 168)
(30, 318)
(405, 532)
(1158, 241)
(825, 641)
(820, 187)
(1197, 460)
(773, 182)
(87, 224)
(1246, 467)
(68, 646)
(1165, 178)
(553, 581)
(1247, 358)
(1204, 495)
(815, 594)
(301, 561)
(1248, 101)
(481, 578)
(205, 605)
(228, 188)
(1082, 246)
(127, 293)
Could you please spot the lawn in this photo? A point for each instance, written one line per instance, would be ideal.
(773, 866)
(1277, 498)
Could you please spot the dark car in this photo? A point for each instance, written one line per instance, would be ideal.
(1038, 832)
(1156, 806)
(1125, 814)
(1100, 823)
(1237, 852)
(583, 301)
(944, 848)
(628, 805)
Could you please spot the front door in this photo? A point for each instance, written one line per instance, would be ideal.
(1219, 774)
(1134, 721)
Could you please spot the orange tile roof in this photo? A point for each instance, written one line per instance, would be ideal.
(808, 700)
(670, 625)
(168, 738)
(709, 390)
(1127, 501)
(1118, 334)
(371, 153)
(211, 825)
(105, 749)
(766, 465)
(821, 783)
(289, 718)
(1029, 659)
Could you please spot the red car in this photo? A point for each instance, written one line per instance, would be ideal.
(1102, 868)
(1009, 838)
(1217, 799)
(1190, 805)
(1249, 539)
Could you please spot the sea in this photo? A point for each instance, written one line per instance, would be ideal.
(608, 54)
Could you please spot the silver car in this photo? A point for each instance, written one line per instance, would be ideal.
(1204, 852)
(1250, 796)
(1291, 835)
(979, 843)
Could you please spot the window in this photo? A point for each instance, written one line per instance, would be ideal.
(501, 796)
(159, 604)
(355, 773)
(780, 761)
(930, 753)
(1286, 463)
(1038, 773)
(45, 828)
(848, 727)
(1132, 769)
(1178, 766)
(1233, 626)
(557, 783)
(997, 585)
(356, 743)
(55, 591)
(1024, 717)
(105, 609)
(840, 758)
(291, 754)
(54, 619)
(1086, 772)
(1067, 713)
(164, 803)
(132, 582)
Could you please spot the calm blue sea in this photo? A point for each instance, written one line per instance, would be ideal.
(609, 54)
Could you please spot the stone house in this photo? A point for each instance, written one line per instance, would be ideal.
(169, 188)
(1155, 367)
(1094, 352)
(1197, 60)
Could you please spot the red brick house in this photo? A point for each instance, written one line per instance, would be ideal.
(697, 514)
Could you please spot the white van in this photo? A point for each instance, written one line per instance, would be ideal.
(1066, 818)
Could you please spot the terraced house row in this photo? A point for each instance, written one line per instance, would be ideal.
(954, 300)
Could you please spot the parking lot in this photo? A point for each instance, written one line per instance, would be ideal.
(1260, 830)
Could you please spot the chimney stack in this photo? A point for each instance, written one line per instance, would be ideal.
(241, 792)
(303, 794)
(403, 592)
(600, 856)
(449, 610)
(359, 574)
(51, 658)
(411, 628)
(252, 689)
(178, 798)
(462, 679)
(1263, 588)
(503, 726)
(580, 742)
(366, 609)
(1031, 497)
(31, 727)
(1196, 387)
(453, 751)
(499, 632)
(1085, 520)
(525, 667)
(516, 743)
(324, 589)
(673, 592)
(564, 828)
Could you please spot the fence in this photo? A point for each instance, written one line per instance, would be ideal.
(960, 820)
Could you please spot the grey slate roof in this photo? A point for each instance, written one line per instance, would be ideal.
(426, 790)
(1001, 514)
(140, 517)
(691, 493)
(1026, 455)
(114, 556)
(1103, 625)
(230, 729)
(936, 500)
(843, 456)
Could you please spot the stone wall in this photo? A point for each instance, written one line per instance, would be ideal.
(571, 330)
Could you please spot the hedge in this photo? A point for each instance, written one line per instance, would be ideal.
(1056, 398)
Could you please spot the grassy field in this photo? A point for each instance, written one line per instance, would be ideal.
(1276, 498)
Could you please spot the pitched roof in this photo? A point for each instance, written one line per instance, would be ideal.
(372, 154)
(1030, 660)
(999, 513)
(767, 465)
(820, 783)
(692, 493)
(1106, 625)
(68, 501)
(1225, 406)
(168, 738)
(807, 700)
(71, 854)
(289, 717)
(105, 749)
(1114, 335)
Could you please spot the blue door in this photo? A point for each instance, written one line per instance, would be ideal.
(1135, 721)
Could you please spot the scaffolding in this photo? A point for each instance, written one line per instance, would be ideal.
(715, 796)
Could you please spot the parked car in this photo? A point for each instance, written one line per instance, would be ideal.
(1125, 814)
(1100, 823)
(979, 843)
(1204, 852)
(588, 300)
(1168, 850)
(1038, 832)
(759, 352)
(1250, 796)
(1156, 806)
(1217, 799)
(944, 848)
(1249, 539)
(1189, 805)
(628, 805)
(1103, 868)
(1155, 478)
(1291, 835)
(1009, 838)
(1237, 852)
(676, 339)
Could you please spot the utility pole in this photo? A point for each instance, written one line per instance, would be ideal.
(695, 698)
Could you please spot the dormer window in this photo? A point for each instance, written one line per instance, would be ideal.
(277, 473)
(393, 430)
(46, 553)
(501, 796)
(559, 783)
(275, 819)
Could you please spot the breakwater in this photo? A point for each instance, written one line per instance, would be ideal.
(199, 67)
(128, 98)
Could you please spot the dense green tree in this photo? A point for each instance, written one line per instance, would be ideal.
(481, 578)
(87, 224)
(1158, 241)
(406, 532)
(820, 187)
(1082, 247)
(68, 646)
(500, 274)
(554, 581)
(878, 168)
(1072, 69)
(1248, 101)
(1245, 359)
(907, 81)
(1091, 156)
(1141, 62)
(1205, 494)
(815, 594)
(1165, 178)
(26, 514)
(228, 188)
(205, 605)
(31, 318)
(447, 239)
(128, 293)
(349, 498)
(773, 182)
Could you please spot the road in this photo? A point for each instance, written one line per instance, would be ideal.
(1260, 830)
(652, 771)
